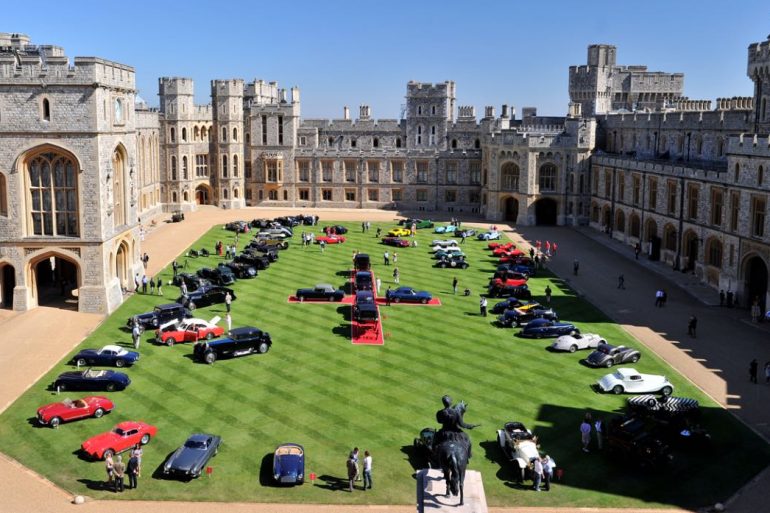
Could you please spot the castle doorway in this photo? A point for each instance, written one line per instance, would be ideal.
(121, 265)
(511, 209)
(7, 284)
(203, 195)
(546, 210)
(755, 279)
(55, 282)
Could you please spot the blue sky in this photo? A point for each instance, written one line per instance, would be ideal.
(344, 52)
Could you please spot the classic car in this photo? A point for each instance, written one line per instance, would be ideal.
(490, 235)
(542, 328)
(519, 446)
(259, 249)
(192, 281)
(520, 291)
(501, 251)
(241, 341)
(108, 355)
(421, 223)
(606, 355)
(205, 296)
(362, 262)
(631, 439)
(273, 234)
(448, 252)
(630, 381)
(424, 443)
(450, 228)
(408, 295)
(189, 460)
(91, 379)
(399, 232)
(241, 270)
(123, 437)
(365, 307)
(453, 262)
(330, 239)
(675, 419)
(496, 245)
(497, 283)
(509, 275)
(465, 232)
(512, 302)
(321, 292)
(257, 262)
(337, 228)
(289, 464)
(237, 226)
(177, 216)
(364, 280)
(516, 259)
(445, 247)
(529, 270)
(219, 276)
(517, 317)
(577, 341)
(55, 413)
(396, 241)
(444, 243)
(161, 314)
(188, 330)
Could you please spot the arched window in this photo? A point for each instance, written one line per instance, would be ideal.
(173, 167)
(698, 144)
(235, 192)
(398, 142)
(669, 237)
(330, 141)
(737, 171)
(760, 175)
(714, 252)
(433, 110)
(224, 133)
(235, 167)
(204, 133)
(46, 107)
(224, 166)
(636, 226)
(419, 110)
(3, 196)
(454, 144)
(172, 134)
(353, 142)
(248, 138)
(184, 134)
(196, 133)
(224, 193)
(547, 179)
(285, 195)
(376, 143)
(52, 195)
(477, 143)
(620, 221)
(235, 134)
(509, 177)
(720, 147)
(119, 187)
(186, 196)
(185, 176)
(419, 134)
(174, 197)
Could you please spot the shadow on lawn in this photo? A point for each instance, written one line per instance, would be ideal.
(93, 484)
(333, 483)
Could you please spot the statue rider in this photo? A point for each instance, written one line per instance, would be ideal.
(452, 423)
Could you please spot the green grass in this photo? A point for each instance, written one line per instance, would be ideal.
(317, 389)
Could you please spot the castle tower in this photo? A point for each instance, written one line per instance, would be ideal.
(227, 156)
(430, 109)
(758, 66)
(177, 107)
(591, 85)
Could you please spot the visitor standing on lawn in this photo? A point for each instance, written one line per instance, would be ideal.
(483, 306)
(367, 470)
(228, 301)
(352, 469)
(454, 285)
(548, 294)
(396, 275)
(585, 432)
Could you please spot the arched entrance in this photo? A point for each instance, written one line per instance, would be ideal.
(546, 210)
(203, 195)
(7, 284)
(652, 238)
(755, 276)
(511, 209)
(55, 281)
(122, 265)
(690, 250)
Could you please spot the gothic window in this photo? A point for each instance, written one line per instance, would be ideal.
(185, 175)
(477, 144)
(737, 172)
(433, 110)
(224, 166)
(398, 142)
(419, 110)
(397, 171)
(235, 136)
(118, 111)
(374, 171)
(669, 238)
(174, 197)
(184, 134)
(235, 166)
(235, 193)
(720, 147)
(692, 206)
(510, 177)
(376, 143)
(224, 134)
(196, 133)
(327, 170)
(760, 175)
(422, 171)
(451, 172)
(350, 170)
(432, 140)
(118, 188)
(419, 135)
(454, 144)
(172, 135)
(46, 114)
(547, 179)
(3, 196)
(330, 141)
(173, 167)
(758, 213)
(285, 195)
(185, 196)
(717, 205)
(353, 142)
(52, 196)
(224, 194)
(475, 172)
(714, 252)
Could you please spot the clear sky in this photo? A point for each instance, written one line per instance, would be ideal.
(353, 52)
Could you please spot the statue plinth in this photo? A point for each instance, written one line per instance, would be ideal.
(431, 490)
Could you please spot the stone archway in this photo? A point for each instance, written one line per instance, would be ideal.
(690, 250)
(510, 208)
(54, 281)
(755, 281)
(546, 211)
(122, 265)
(203, 195)
(7, 284)
(653, 239)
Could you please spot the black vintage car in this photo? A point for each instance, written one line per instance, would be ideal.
(361, 262)
(261, 251)
(337, 228)
(364, 281)
(218, 276)
(675, 419)
(257, 262)
(509, 275)
(321, 292)
(455, 262)
(193, 281)
(365, 307)
(607, 355)
(242, 341)
(632, 439)
(524, 269)
(237, 226)
(241, 271)
(92, 379)
(518, 291)
(177, 216)
(516, 317)
(161, 314)
(205, 296)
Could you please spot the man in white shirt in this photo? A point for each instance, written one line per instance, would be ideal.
(367, 470)
(537, 474)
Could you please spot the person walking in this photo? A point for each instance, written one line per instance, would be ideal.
(137, 282)
(692, 324)
(109, 466)
(462, 238)
(322, 244)
(175, 265)
(599, 430)
(537, 473)
(548, 294)
(379, 232)
(363, 226)
(160, 286)
(387, 296)
(454, 285)
(753, 371)
(367, 470)
(548, 467)
(132, 469)
(396, 275)
(585, 432)
(532, 252)
(352, 469)
(621, 282)
(721, 298)
(637, 250)
(395, 258)
(386, 257)
(136, 333)
(228, 301)
(119, 471)
(483, 306)
(144, 284)
(575, 267)
(358, 468)
(659, 298)
(183, 288)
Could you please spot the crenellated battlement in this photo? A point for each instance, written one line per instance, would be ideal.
(752, 145)
(227, 87)
(466, 111)
(427, 89)
(688, 105)
(759, 53)
(735, 103)
(172, 86)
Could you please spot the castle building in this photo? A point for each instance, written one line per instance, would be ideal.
(84, 161)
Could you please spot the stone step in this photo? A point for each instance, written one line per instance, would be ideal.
(431, 490)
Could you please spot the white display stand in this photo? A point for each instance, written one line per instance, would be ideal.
(431, 490)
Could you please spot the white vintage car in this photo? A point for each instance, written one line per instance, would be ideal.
(443, 243)
(438, 247)
(572, 343)
(519, 446)
(630, 381)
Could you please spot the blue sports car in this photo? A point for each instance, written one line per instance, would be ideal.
(108, 355)
(92, 379)
(445, 229)
(408, 294)
(191, 458)
(541, 328)
(289, 464)
(490, 235)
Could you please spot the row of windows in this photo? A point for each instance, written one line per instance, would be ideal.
(546, 179)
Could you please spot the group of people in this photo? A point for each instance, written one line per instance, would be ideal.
(586, 427)
(117, 471)
(754, 368)
(542, 472)
(230, 250)
(143, 283)
(307, 239)
(353, 468)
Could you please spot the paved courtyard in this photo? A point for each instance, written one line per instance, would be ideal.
(717, 360)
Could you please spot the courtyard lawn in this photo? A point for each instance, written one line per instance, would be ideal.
(317, 389)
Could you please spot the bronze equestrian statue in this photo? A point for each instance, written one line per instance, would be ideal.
(452, 446)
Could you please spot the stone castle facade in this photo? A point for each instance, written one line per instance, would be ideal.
(83, 161)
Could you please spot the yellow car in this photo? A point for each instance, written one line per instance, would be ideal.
(528, 306)
(399, 232)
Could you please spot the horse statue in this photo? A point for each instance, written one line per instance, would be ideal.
(452, 446)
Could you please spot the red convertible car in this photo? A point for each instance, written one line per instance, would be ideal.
(189, 330)
(330, 239)
(56, 413)
(516, 259)
(123, 437)
(396, 241)
(496, 245)
(497, 282)
(507, 251)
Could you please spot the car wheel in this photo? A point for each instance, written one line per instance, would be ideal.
(635, 358)
(617, 389)
(608, 363)
(98, 413)
(81, 362)
(191, 306)
(666, 391)
(263, 347)
(210, 357)
(108, 453)
(423, 301)
(54, 423)
(120, 363)
(60, 386)
(209, 335)
(572, 348)
(145, 439)
(110, 387)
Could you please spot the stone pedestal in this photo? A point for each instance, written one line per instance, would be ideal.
(431, 490)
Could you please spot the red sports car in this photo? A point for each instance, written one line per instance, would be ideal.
(56, 413)
(123, 437)
(396, 241)
(330, 239)
(189, 330)
(501, 251)
(497, 282)
(516, 259)
(495, 245)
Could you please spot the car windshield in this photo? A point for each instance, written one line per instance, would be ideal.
(195, 444)
(604, 349)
